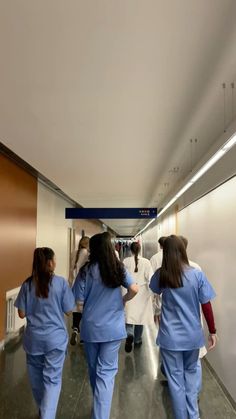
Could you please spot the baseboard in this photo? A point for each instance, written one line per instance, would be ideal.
(222, 386)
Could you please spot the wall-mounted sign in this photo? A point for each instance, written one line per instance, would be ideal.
(110, 213)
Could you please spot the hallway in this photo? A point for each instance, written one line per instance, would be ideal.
(140, 392)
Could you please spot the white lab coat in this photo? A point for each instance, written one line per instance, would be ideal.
(140, 309)
(83, 258)
(156, 260)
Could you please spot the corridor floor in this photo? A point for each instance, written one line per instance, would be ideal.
(140, 392)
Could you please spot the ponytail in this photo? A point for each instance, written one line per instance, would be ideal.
(41, 273)
(135, 249)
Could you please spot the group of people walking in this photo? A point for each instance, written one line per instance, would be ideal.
(112, 301)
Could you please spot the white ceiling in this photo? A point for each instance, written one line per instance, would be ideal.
(102, 97)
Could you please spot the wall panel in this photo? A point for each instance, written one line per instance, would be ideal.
(52, 227)
(18, 207)
(210, 226)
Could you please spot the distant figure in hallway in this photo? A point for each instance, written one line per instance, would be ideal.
(43, 299)
(82, 257)
(97, 291)
(139, 311)
(180, 336)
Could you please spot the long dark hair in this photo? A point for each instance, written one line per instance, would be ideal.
(173, 262)
(161, 241)
(135, 249)
(102, 252)
(41, 273)
(83, 244)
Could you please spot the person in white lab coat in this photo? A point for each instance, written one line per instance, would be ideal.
(156, 262)
(78, 261)
(139, 311)
(78, 258)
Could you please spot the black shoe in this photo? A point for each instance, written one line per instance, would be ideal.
(129, 344)
(74, 336)
(138, 344)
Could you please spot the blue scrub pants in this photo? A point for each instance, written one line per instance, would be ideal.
(136, 331)
(181, 372)
(199, 376)
(102, 361)
(45, 373)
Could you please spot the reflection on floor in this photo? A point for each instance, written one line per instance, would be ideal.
(140, 392)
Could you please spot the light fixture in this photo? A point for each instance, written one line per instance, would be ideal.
(168, 205)
(230, 143)
(184, 189)
(217, 156)
(144, 228)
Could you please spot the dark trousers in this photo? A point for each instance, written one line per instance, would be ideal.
(76, 320)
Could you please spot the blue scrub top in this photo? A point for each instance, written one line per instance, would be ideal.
(46, 329)
(180, 326)
(103, 317)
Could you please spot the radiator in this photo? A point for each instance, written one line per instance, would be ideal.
(13, 322)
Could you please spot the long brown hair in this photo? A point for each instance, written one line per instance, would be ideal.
(41, 272)
(135, 249)
(161, 241)
(173, 262)
(102, 252)
(83, 244)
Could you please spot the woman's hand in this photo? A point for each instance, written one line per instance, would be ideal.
(21, 313)
(212, 340)
(132, 291)
(157, 319)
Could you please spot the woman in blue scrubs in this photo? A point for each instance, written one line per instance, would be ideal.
(43, 299)
(180, 333)
(97, 291)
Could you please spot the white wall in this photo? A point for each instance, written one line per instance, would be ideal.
(210, 226)
(167, 224)
(149, 241)
(164, 226)
(223, 170)
(52, 227)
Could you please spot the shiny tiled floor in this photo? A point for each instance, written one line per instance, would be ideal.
(139, 392)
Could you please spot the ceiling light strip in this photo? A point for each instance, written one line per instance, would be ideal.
(216, 157)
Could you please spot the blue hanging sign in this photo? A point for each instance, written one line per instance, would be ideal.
(110, 213)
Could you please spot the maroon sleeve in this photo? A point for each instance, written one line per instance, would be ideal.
(209, 316)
